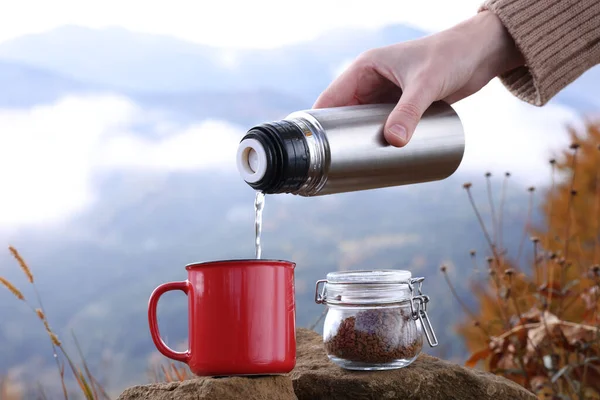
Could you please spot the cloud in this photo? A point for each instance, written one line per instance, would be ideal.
(341, 68)
(229, 59)
(504, 133)
(204, 145)
(49, 153)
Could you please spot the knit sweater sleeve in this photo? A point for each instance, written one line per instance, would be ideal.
(559, 40)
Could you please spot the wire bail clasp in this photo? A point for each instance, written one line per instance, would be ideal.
(418, 308)
(320, 297)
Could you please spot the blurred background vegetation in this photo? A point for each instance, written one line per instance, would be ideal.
(536, 320)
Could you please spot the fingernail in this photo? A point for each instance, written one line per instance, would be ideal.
(399, 131)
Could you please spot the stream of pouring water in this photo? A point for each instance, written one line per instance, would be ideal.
(259, 204)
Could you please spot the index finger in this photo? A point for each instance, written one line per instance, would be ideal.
(341, 92)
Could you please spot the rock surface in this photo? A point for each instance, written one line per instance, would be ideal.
(315, 378)
(236, 388)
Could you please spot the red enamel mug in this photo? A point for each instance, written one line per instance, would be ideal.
(241, 317)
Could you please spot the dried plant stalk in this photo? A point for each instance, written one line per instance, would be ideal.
(12, 288)
(22, 263)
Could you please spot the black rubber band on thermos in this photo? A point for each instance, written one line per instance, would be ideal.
(287, 157)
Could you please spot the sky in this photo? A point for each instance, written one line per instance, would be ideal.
(502, 132)
(231, 23)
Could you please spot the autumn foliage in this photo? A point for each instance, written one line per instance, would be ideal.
(537, 322)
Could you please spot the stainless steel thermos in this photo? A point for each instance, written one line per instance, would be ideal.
(342, 149)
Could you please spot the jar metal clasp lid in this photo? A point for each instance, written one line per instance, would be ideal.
(417, 300)
(418, 307)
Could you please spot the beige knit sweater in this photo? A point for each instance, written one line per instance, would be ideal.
(559, 39)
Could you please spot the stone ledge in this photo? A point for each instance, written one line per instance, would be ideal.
(235, 388)
(316, 378)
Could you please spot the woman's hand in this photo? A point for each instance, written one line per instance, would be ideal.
(449, 66)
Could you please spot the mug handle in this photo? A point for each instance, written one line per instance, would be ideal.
(183, 357)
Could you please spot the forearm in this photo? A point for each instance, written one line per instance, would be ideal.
(559, 41)
(491, 42)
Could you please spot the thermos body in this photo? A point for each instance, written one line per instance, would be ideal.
(343, 149)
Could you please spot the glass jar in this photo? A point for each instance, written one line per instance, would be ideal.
(375, 319)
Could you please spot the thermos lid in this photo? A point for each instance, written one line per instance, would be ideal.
(251, 160)
(274, 157)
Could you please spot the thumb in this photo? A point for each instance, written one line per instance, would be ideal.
(403, 119)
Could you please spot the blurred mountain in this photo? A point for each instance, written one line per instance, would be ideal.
(242, 107)
(25, 86)
(143, 62)
(132, 62)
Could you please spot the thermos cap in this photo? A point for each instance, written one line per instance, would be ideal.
(274, 157)
(251, 160)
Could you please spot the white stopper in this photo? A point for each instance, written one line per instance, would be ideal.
(251, 160)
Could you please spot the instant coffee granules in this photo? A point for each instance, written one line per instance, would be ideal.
(378, 336)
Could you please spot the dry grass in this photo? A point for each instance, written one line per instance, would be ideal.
(170, 373)
(87, 384)
(537, 323)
